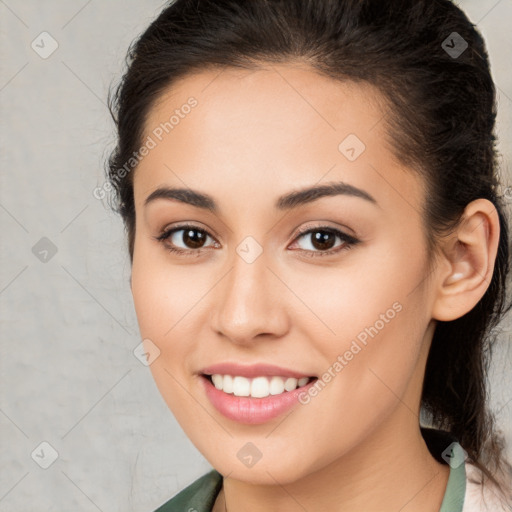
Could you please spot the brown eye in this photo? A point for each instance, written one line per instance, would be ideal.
(322, 241)
(184, 239)
(193, 238)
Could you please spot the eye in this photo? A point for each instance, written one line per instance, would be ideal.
(322, 239)
(192, 237)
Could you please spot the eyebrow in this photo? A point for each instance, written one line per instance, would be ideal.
(288, 201)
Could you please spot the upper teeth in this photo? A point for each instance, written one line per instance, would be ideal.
(259, 387)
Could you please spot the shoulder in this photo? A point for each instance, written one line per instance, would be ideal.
(481, 495)
(199, 496)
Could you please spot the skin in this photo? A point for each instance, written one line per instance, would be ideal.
(253, 136)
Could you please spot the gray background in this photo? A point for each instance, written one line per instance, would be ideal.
(68, 375)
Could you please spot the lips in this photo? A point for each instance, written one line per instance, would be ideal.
(249, 409)
(254, 370)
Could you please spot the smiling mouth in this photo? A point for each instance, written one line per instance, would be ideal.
(256, 387)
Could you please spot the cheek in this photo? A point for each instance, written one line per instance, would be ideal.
(370, 366)
(167, 302)
(161, 304)
(162, 294)
(377, 316)
(149, 297)
(363, 293)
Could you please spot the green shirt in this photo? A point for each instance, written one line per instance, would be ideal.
(200, 495)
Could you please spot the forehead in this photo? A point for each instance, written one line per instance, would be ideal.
(273, 96)
(270, 126)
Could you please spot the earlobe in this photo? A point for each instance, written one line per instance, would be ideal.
(470, 254)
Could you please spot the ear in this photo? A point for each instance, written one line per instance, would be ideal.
(466, 264)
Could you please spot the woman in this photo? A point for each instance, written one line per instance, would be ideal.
(319, 250)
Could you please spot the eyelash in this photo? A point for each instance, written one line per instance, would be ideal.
(349, 241)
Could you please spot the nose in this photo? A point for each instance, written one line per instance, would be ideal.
(250, 302)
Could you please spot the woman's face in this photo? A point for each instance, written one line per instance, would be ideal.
(348, 302)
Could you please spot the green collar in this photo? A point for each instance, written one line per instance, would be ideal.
(200, 495)
(453, 500)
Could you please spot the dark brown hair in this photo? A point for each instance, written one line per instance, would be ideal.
(440, 119)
